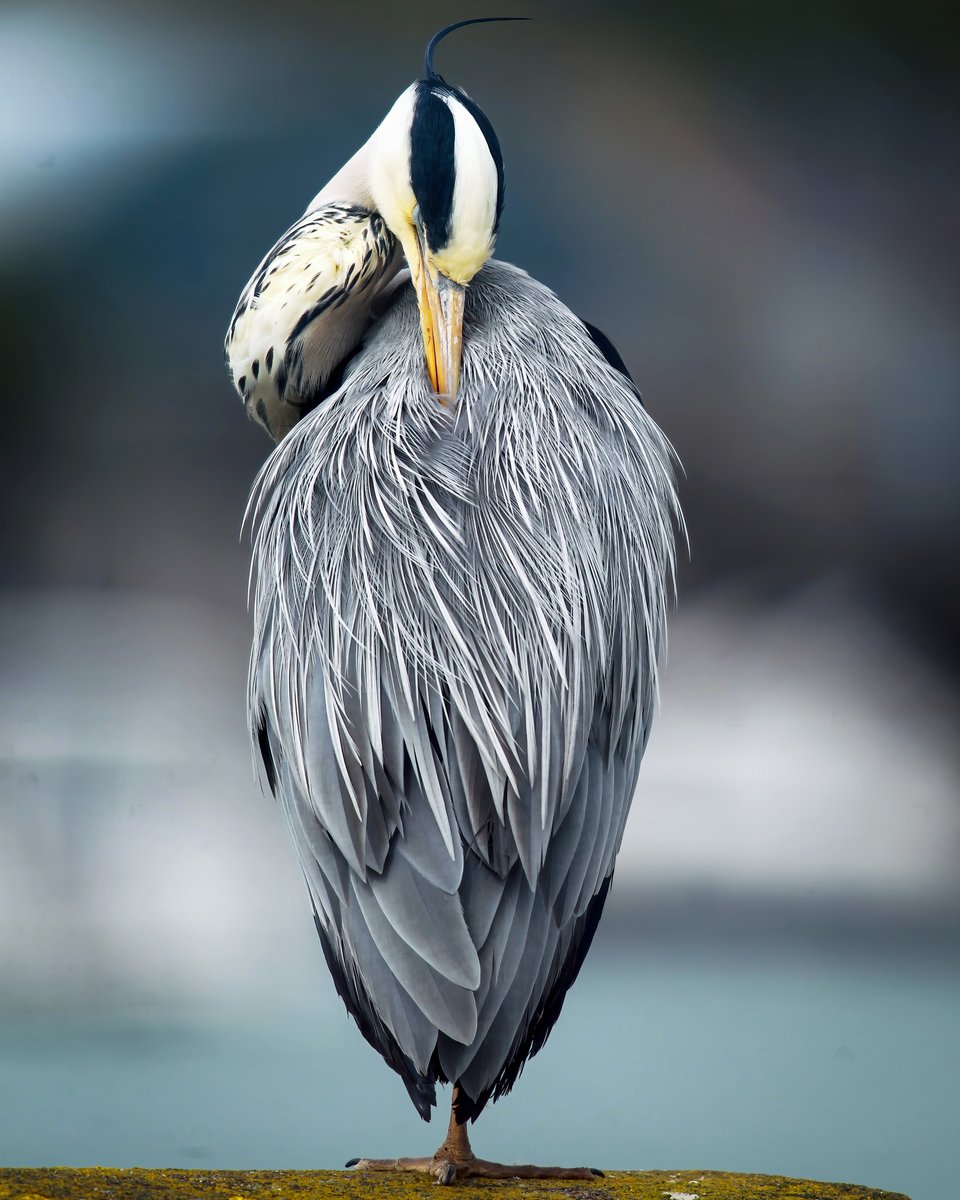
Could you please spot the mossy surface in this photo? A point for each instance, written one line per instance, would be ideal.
(103, 1183)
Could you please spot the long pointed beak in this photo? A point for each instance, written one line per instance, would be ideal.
(446, 310)
(441, 324)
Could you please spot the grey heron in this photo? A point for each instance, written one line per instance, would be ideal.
(464, 540)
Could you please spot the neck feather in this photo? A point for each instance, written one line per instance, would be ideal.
(350, 185)
(307, 308)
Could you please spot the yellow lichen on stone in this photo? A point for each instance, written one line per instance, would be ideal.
(105, 1183)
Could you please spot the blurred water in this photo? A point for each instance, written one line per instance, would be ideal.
(802, 1066)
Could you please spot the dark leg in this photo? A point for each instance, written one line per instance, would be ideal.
(455, 1160)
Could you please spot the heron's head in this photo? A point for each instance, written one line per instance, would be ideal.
(436, 177)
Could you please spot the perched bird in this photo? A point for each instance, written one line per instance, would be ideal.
(464, 540)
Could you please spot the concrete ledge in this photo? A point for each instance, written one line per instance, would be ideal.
(105, 1183)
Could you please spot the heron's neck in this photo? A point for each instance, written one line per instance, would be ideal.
(377, 177)
(350, 185)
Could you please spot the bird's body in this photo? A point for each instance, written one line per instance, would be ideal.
(459, 611)
(454, 677)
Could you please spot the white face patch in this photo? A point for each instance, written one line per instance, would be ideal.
(474, 199)
(388, 164)
(384, 166)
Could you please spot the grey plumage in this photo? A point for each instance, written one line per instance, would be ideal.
(459, 612)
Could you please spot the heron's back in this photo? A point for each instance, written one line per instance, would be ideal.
(458, 619)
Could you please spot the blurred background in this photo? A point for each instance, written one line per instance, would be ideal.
(760, 204)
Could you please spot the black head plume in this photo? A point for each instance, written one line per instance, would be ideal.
(428, 70)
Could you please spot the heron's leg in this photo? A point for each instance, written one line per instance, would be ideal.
(455, 1160)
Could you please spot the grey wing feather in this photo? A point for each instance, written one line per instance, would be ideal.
(427, 916)
(411, 1026)
(517, 1001)
(458, 620)
(449, 1006)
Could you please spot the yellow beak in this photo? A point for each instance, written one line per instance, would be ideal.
(441, 324)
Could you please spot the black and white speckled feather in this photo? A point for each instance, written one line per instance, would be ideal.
(458, 617)
(334, 263)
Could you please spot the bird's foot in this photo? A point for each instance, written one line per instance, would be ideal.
(447, 1169)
